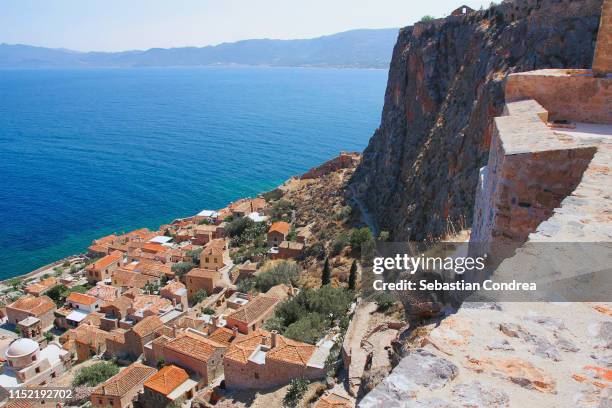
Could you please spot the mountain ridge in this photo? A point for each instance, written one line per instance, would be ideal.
(360, 48)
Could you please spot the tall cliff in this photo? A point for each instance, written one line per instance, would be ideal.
(419, 172)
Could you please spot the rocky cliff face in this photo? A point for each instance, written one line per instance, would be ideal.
(419, 173)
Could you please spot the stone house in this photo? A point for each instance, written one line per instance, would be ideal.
(147, 305)
(176, 292)
(123, 389)
(103, 268)
(85, 341)
(169, 384)
(196, 353)
(289, 250)
(83, 302)
(41, 307)
(278, 233)
(39, 288)
(251, 316)
(125, 279)
(202, 279)
(263, 360)
(215, 255)
(142, 333)
(203, 234)
(461, 11)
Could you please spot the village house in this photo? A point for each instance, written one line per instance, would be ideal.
(147, 305)
(263, 360)
(102, 269)
(31, 328)
(196, 353)
(114, 311)
(242, 208)
(176, 292)
(278, 233)
(85, 341)
(129, 344)
(288, 250)
(40, 307)
(123, 389)
(26, 364)
(169, 384)
(460, 11)
(246, 270)
(40, 287)
(202, 279)
(215, 255)
(100, 246)
(203, 234)
(83, 302)
(148, 267)
(125, 279)
(210, 216)
(252, 315)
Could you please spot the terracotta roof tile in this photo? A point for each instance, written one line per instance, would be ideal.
(280, 226)
(333, 401)
(197, 347)
(81, 298)
(104, 262)
(167, 379)
(119, 385)
(255, 309)
(35, 305)
(147, 326)
(43, 285)
(223, 335)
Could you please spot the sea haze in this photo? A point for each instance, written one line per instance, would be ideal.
(84, 153)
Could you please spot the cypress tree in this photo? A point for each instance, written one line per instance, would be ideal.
(326, 275)
(352, 281)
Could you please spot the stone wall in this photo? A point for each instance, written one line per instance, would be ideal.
(264, 376)
(602, 62)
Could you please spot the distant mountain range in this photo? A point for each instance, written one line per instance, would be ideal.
(366, 48)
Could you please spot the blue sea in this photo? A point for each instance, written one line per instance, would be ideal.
(85, 153)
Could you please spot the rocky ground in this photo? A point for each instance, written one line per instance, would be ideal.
(505, 355)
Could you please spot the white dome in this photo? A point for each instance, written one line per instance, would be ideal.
(21, 347)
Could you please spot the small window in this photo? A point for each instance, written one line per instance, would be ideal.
(53, 375)
(34, 358)
(256, 375)
(37, 369)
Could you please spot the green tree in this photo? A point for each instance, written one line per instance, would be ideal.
(285, 272)
(295, 392)
(49, 336)
(95, 374)
(182, 268)
(427, 18)
(326, 274)
(352, 281)
(359, 237)
(384, 301)
(199, 296)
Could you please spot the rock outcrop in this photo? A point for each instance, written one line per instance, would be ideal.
(420, 171)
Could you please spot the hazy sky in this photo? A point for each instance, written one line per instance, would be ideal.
(112, 25)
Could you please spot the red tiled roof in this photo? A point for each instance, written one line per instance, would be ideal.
(281, 227)
(147, 326)
(333, 401)
(255, 309)
(81, 298)
(167, 379)
(41, 286)
(119, 385)
(35, 305)
(223, 335)
(286, 350)
(197, 347)
(104, 262)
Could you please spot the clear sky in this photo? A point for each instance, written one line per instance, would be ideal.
(114, 25)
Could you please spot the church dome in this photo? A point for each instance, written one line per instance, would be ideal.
(21, 347)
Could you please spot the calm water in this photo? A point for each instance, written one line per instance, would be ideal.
(84, 153)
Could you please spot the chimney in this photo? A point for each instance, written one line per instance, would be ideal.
(234, 332)
(273, 335)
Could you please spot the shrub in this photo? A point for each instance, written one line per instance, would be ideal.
(352, 281)
(272, 195)
(295, 392)
(427, 18)
(317, 307)
(95, 374)
(284, 272)
(199, 296)
(208, 311)
(194, 254)
(384, 300)
(182, 268)
(342, 214)
(49, 336)
(281, 210)
(316, 250)
(245, 285)
(383, 236)
(244, 231)
(339, 243)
